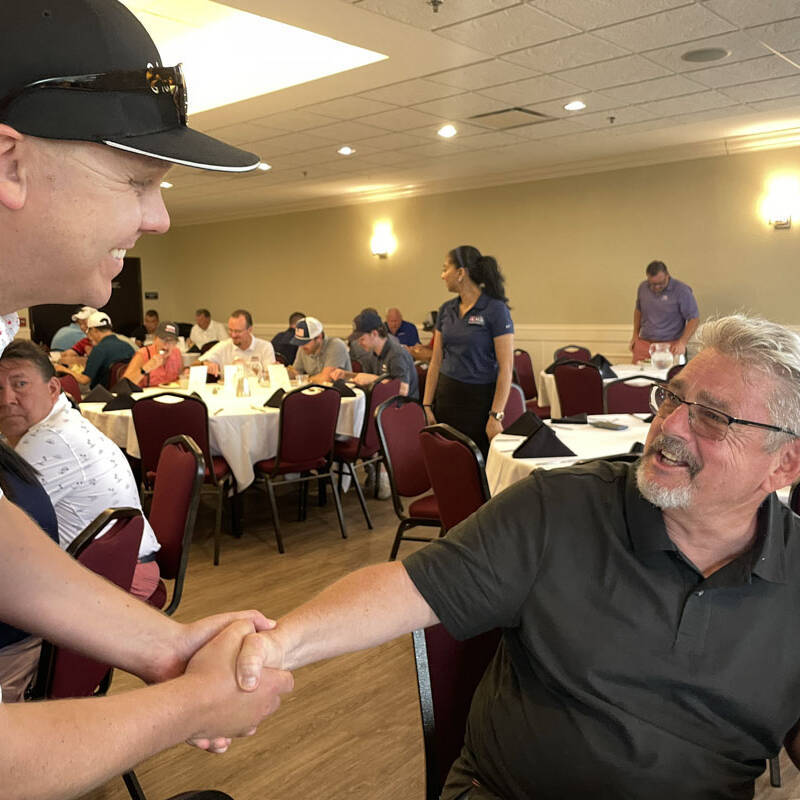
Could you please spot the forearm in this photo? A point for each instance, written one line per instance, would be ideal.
(133, 371)
(432, 377)
(504, 348)
(637, 323)
(364, 609)
(688, 330)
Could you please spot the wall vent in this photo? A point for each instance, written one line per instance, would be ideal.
(506, 118)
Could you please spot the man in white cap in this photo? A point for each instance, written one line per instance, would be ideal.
(77, 352)
(317, 356)
(89, 124)
(68, 335)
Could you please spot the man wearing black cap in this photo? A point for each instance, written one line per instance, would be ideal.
(394, 361)
(89, 124)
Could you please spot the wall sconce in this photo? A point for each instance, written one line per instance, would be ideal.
(383, 242)
(781, 202)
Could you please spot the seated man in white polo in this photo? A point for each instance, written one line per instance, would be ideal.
(317, 356)
(81, 469)
(241, 348)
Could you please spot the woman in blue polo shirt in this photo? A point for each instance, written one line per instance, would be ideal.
(469, 377)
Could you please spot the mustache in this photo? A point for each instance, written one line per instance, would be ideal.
(677, 448)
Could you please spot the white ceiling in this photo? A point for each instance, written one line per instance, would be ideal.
(621, 57)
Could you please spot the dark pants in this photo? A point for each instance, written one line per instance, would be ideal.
(466, 407)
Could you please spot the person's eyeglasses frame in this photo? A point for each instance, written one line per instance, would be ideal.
(696, 425)
(155, 79)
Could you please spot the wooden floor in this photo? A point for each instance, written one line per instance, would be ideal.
(351, 728)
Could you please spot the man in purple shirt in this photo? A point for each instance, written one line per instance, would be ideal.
(666, 311)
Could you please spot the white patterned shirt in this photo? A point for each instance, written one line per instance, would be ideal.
(82, 471)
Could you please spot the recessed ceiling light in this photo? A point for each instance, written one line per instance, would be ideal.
(346, 150)
(447, 131)
(263, 166)
(166, 185)
(704, 54)
(575, 105)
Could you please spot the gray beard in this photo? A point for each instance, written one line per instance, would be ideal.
(660, 496)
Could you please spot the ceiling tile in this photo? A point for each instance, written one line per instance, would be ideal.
(574, 51)
(764, 90)
(747, 13)
(782, 35)
(295, 120)
(388, 158)
(350, 107)
(489, 140)
(533, 90)
(461, 106)
(488, 73)
(546, 130)
(464, 129)
(616, 72)
(668, 27)
(401, 119)
(438, 149)
(509, 29)
(688, 104)
(587, 14)
(741, 46)
(791, 102)
(709, 114)
(391, 141)
(623, 116)
(242, 132)
(594, 102)
(408, 93)
(671, 86)
(755, 69)
(344, 132)
(288, 143)
(421, 15)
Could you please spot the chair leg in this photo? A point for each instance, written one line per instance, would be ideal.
(218, 523)
(401, 529)
(133, 786)
(275, 522)
(359, 492)
(338, 504)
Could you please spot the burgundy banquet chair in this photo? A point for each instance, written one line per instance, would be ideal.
(580, 388)
(70, 386)
(575, 352)
(523, 371)
(628, 395)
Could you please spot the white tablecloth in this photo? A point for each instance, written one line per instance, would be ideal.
(502, 469)
(240, 429)
(548, 396)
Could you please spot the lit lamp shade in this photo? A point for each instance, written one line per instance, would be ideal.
(383, 242)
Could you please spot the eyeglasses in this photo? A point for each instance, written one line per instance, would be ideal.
(158, 80)
(704, 421)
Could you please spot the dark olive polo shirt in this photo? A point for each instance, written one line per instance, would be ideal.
(622, 672)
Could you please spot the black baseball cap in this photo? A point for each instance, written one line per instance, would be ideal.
(367, 321)
(45, 39)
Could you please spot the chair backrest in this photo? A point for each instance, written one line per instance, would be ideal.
(280, 358)
(207, 346)
(70, 386)
(62, 672)
(576, 352)
(376, 394)
(307, 423)
(580, 388)
(115, 372)
(515, 405)
(422, 376)
(455, 467)
(176, 496)
(161, 416)
(356, 365)
(448, 672)
(399, 421)
(624, 396)
(523, 367)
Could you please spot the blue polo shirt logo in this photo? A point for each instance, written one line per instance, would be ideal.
(475, 319)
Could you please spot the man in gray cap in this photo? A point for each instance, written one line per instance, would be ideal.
(90, 122)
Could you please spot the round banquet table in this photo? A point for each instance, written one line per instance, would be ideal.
(548, 396)
(239, 428)
(502, 469)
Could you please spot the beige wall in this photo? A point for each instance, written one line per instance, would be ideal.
(572, 249)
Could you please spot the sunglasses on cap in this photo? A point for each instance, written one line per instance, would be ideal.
(158, 80)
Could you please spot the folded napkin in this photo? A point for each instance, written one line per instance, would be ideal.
(542, 444)
(637, 447)
(604, 365)
(98, 395)
(275, 400)
(575, 419)
(525, 425)
(343, 389)
(125, 386)
(119, 403)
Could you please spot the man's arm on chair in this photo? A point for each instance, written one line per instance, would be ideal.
(363, 609)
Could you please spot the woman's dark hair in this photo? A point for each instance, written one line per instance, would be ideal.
(482, 270)
(11, 462)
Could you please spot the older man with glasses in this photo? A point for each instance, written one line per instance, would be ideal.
(647, 609)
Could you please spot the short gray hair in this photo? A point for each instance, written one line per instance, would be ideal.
(768, 347)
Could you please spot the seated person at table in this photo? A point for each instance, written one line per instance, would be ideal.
(143, 334)
(106, 350)
(282, 342)
(405, 332)
(240, 348)
(205, 330)
(68, 335)
(157, 363)
(393, 360)
(317, 356)
(646, 609)
(81, 469)
(77, 352)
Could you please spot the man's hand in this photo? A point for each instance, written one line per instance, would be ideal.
(493, 427)
(677, 348)
(213, 367)
(155, 362)
(632, 344)
(337, 374)
(429, 417)
(325, 374)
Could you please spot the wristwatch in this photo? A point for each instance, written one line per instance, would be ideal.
(498, 415)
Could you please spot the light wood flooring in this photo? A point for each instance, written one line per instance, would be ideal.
(351, 728)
